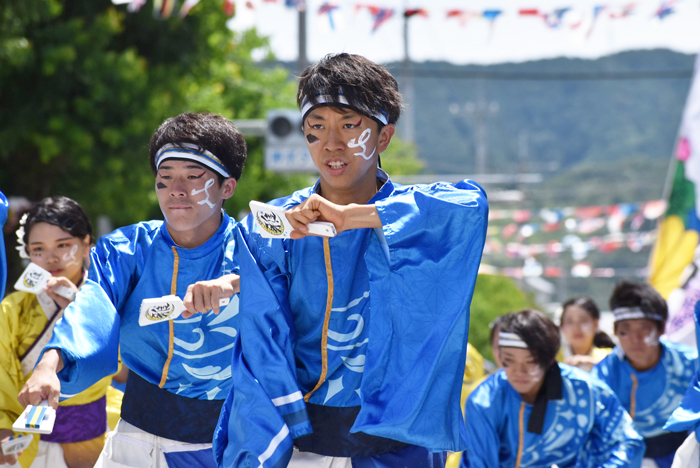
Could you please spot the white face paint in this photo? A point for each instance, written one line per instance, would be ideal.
(360, 143)
(209, 183)
(587, 327)
(536, 374)
(652, 339)
(70, 257)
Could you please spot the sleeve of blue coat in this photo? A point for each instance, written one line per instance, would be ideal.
(88, 333)
(687, 415)
(614, 441)
(423, 266)
(483, 441)
(265, 409)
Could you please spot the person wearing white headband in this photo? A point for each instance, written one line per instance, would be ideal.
(333, 386)
(179, 369)
(649, 375)
(535, 412)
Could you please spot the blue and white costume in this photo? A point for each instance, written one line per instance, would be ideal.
(180, 371)
(587, 427)
(652, 395)
(686, 416)
(369, 327)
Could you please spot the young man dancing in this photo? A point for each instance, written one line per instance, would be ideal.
(179, 369)
(352, 348)
(648, 374)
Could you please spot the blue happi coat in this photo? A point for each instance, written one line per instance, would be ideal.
(586, 428)
(657, 391)
(686, 416)
(371, 319)
(141, 261)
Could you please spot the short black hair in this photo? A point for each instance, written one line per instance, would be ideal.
(63, 212)
(366, 85)
(638, 294)
(538, 332)
(211, 132)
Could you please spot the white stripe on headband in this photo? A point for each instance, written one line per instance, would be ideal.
(632, 313)
(325, 98)
(192, 153)
(510, 340)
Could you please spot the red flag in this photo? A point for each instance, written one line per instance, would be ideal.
(229, 7)
(521, 216)
(462, 15)
(553, 272)
(415, 11)
(380, 15)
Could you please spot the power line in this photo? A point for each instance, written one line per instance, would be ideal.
(553, 76)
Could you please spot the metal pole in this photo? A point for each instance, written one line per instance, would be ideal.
(302, 61)
(408, 114)
(481, 110)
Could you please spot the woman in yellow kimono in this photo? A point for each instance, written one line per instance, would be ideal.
(55, 235)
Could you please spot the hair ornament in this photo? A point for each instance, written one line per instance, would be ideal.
(22, 247)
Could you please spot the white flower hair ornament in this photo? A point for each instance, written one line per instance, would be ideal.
(22, 247)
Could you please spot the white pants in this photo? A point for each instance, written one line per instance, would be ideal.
(688, 454)
(311, 460)
(129, 446)
(50, 455)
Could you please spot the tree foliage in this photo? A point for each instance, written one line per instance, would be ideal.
(83, 85)
(493, 296)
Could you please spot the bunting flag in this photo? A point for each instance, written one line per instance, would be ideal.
(298, 4)
(623, 12)
(597, 10)
(553, 19)
(578, 270)
(327, 8)
(675, 260)
(186, 7)
(162, 9)
(380, 15)
(409, 12)
(229, 8)
(463, 15)
(567, 17)
(665, 9)
(491, 15)
(135, 5)
(530, 236)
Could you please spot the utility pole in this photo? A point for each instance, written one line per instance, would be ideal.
(406, 73)
(523, 152)
(481, 137)
(302, 61)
